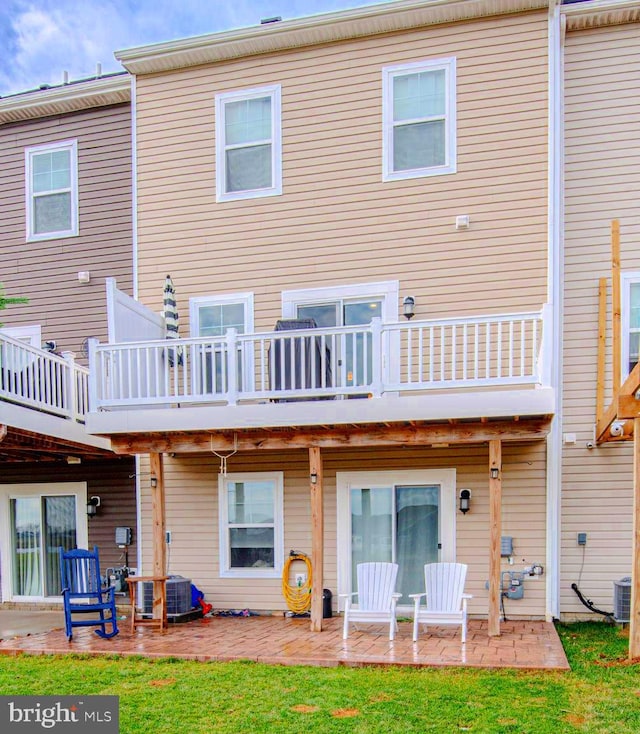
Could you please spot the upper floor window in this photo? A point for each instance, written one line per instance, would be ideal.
(248, 144)
(419, 119)
(630, 322)
(52, 190)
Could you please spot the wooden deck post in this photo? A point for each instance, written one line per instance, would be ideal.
(616, 306)
(495, 531)
(317, 536)
(634, 617)
(159, 531)
(602, 346)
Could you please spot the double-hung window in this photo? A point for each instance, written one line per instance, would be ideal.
(212, 317)
(51, 173)
(419, 119)
(248, 144)
(251, 524)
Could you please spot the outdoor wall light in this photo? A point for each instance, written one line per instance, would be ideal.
(153, 481)
(408, 306)
(92, 506)
(313, 477)
(495, 472)
(465, 501)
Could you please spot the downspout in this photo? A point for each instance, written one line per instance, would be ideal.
(555, 298)
(134, 220)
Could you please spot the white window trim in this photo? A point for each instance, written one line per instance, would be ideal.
(388, 75)
(247, 299)
(278, 531)
(11, 491)
(445, 478)
(30, 152)
(626, 280)
(31, 334)
(273, 91)
(387, 290)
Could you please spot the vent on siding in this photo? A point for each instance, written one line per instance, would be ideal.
(622, 599)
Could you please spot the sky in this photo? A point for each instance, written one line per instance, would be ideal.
(40, 39)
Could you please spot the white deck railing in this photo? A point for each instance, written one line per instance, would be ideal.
(309, 364)
(43, 381)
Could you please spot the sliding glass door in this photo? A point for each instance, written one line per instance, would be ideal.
(40, 524)
(398, 523)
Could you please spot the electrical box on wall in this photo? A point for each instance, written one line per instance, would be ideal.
(506, 546)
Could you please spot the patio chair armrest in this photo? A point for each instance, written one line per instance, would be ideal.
(348, 596)
(417, 597)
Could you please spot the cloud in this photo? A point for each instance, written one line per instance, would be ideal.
(43, 38)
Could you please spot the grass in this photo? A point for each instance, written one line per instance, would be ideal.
(601, 693)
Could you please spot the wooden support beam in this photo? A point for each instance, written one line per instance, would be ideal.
(634, 617)
(158, 532)
(616, 305)
(495, 531)
(316, 485)
(602, 345)
(619, 403)
(338, 437)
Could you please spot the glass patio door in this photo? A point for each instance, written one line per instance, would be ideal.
(39, 525)
(356, 353)
(401, 524)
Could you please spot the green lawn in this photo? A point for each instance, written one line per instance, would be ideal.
(601, 693)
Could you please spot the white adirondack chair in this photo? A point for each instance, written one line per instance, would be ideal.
(446, 600)
(377, 598)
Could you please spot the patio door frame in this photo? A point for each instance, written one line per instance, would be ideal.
(42, 489)
(345, 481)
(386, 291)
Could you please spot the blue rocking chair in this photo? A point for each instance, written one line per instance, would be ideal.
(83, 593)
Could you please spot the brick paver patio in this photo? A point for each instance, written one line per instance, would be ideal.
(276, 640)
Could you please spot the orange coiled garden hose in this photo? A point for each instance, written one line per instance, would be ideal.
(298, 598)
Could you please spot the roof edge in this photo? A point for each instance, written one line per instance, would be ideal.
(312, 30)
(599, 13)
(72, 97)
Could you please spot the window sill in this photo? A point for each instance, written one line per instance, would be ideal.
(256, 194)
(418, 173)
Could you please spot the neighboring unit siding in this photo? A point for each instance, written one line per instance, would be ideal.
(113, 481)
(46, 272)
(336, 221)
(192, 517)
(602, 173)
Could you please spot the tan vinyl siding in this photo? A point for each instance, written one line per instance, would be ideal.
(336, 221)
(602, 183)
(46, 271)
(192, 517)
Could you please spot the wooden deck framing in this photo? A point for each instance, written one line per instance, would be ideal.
(314, 439)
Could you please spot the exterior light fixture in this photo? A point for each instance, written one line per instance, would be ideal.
(408, 306)
(465, 501)
(313, 477)
(153, 481)
(495, 472)
(92, 506)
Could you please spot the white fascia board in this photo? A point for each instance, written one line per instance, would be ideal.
(26, 419)
(68, 98)
(433, 407)
(598, 13)
(312, 30)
